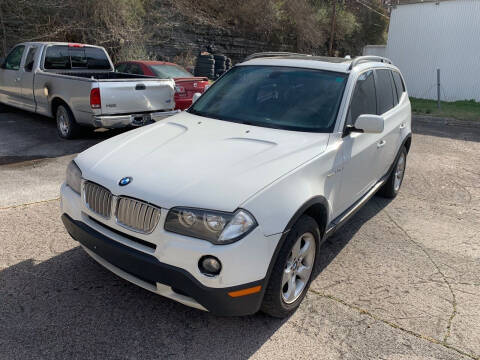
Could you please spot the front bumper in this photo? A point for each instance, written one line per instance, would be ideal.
(119, 121)
(145, 270)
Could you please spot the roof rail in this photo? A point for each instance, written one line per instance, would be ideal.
(360, 59)
(271, 54)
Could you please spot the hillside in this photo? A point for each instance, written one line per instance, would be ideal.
(179, 29)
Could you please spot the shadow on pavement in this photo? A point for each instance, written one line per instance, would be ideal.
(453, 129)
(70, 307)
(25, 136)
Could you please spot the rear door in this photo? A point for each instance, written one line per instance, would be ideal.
(388, 108)
(10, 76)
(131, 96)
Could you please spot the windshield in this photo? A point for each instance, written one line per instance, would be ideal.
(170, 71)
(277, 97)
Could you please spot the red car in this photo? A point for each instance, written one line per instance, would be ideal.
(186, 83)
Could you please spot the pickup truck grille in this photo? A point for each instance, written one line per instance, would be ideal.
(137, 215)
(98, 199)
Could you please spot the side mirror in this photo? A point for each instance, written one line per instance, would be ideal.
(195, 97)
(370, 124)
(2, 63)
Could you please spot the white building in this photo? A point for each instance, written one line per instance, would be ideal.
(424, 36)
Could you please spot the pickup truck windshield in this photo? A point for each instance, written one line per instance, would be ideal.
(276, 97)
(64, 57)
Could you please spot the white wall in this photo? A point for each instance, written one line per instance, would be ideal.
(426, 36)
(378, 50)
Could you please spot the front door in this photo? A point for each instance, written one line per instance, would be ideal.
(360, 152)
(27, 77)
(10, 76)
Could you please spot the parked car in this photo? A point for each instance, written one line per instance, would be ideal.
(76, 84)
(225, 207)
(186, 85)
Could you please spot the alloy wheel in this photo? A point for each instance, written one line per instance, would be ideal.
(298, 268)
(399, 172)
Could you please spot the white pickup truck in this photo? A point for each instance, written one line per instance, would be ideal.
(77, 84)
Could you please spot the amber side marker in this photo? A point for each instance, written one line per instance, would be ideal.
(246, 291)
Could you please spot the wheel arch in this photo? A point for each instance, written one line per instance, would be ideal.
(407, 142)
(318, 208)
(55, 103)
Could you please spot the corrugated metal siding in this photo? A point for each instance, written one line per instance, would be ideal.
(378, 50)
(425, 36)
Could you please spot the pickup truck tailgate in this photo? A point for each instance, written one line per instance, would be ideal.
(134, 96)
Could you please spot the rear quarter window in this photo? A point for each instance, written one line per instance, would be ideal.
(398, 84)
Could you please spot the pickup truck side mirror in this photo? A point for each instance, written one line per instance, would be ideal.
(369, 124)
(2, 63)
(195, 97)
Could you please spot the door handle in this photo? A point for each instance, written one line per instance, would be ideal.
(140, 87)
(402, 126)
(381, 144)
(17, 79)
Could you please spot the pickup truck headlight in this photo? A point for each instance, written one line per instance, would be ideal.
(218, 227)
(74, 177)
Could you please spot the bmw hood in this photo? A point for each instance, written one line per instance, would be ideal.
(188, 160)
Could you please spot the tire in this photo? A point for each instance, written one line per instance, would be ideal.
(283, 295)
(209, 56)
(205, 61)
(392, 186)
(205, 67)
(220, 57)
(67, 127)
(199, 72)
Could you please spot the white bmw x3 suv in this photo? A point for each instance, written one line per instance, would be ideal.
(224, 207)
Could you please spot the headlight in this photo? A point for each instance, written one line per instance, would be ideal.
(218, 227)
(74, 177)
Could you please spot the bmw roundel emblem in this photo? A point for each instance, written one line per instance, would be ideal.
(125, 181)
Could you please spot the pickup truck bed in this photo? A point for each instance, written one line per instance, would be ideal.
(110, 75)
(80, 81)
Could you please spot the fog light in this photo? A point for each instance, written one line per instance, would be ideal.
(210, 265)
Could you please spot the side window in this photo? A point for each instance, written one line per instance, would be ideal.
(121, 68)
(135, 69)
(364, 99)
(30, 59)
(398, 84)
(12, 62)
(396, 97)
(384, 88)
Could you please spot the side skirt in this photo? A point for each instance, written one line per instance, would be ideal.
(336, 223)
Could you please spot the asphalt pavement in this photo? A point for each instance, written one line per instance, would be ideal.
(401, 280)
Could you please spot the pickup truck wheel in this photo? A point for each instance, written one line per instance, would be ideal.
(67, 127)
(391, 188)
(293, 269)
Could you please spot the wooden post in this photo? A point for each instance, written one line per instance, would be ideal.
(438, 89)
(332, 30)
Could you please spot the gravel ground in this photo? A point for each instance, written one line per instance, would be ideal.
(400, 281)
